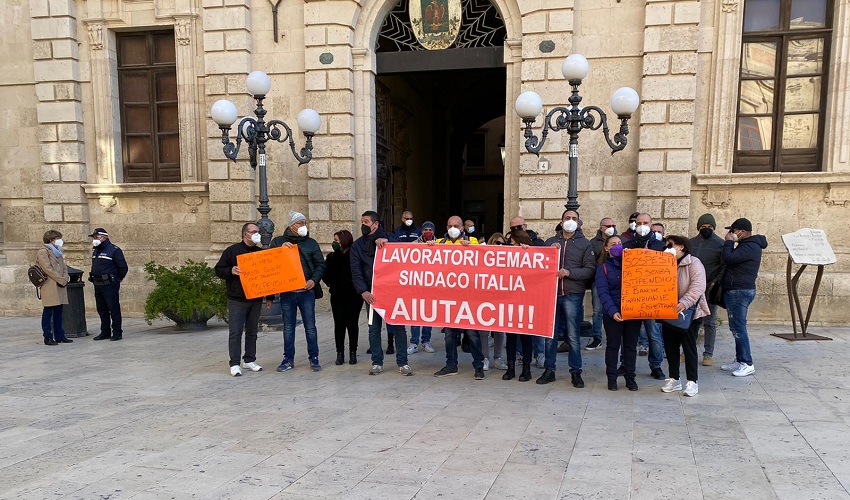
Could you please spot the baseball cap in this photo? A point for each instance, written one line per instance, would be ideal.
(742, 224)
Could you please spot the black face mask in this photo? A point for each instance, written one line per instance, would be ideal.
(706, 232)
(365, 230)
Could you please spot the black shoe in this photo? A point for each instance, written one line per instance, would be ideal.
(511, 373)
(65, 341)
(658, 374)
(631, 384)
(479, 374)
(390, 349)
(116, 337)
(102, 337)
(593, 344)
(525, 376)
(340, 358)
(564, 347)
(578, 383)
(352, 358)
(612, 385)
(547, 377)
(445, 372)
(50, 342)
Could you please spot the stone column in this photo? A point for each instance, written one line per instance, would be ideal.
(668, 89)
(60, 115)
(184, 35)
(107, 146)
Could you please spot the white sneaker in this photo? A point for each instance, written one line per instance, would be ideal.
(376, 370)
(691, 388)
(412, 349)
(731, 367)
(498, 364)
(744, 370)
(236, 371)
(254, 367)
(486, 364)
(427, 347)
(405, 370)
(672, 384)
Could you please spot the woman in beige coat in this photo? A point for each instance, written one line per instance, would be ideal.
(53, 292)
(691, 285)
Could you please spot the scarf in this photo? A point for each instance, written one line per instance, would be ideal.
(56, 251)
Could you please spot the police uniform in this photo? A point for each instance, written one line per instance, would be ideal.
(108, 269)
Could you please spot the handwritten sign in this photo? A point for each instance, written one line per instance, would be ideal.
(271, 271)
(650, 285)
(809, 246)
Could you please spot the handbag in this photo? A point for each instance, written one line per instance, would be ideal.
(684, 320)
(714, 294)
(317, 291)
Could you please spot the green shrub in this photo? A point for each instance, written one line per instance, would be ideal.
(185, 291)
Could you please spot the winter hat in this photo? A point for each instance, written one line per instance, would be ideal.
(429, 225)
(295, 217)
(706, 219)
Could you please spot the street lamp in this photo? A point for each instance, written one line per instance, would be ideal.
(256, 132)
(574, 118)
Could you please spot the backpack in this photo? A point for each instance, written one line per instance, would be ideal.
(37, 278)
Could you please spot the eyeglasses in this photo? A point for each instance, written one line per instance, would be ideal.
(407, 218)
(610, 225)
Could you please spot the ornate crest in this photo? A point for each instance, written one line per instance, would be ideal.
(436, 23)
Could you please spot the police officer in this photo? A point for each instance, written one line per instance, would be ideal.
(108, 269)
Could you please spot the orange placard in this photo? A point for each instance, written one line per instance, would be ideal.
(271, 271)
(650, 289)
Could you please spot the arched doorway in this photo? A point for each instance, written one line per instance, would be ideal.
(440, 119)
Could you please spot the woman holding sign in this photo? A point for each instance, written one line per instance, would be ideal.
(609, 284)
(692, 307)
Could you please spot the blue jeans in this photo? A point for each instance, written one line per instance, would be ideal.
(51, 323)
(414, 334)
(651, 331)
(306, 303)
(399, 336)
(453, 339)
(572, 307)
(737, 304)
(597, 313)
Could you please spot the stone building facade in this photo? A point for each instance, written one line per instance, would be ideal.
(70, 163)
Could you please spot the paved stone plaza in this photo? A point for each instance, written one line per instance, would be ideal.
(157, 415)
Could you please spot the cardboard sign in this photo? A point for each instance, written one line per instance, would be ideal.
(650, 285)
(481, 287)
(271, 271)
(809, 246)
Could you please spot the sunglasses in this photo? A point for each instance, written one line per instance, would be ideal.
(610, 225)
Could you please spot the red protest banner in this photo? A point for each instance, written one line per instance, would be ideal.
(499, 288)
(650, 285)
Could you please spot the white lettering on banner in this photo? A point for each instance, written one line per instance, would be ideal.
(453, 256)
(499, 282)
(493, 258)
(462, 314)
(431, 278)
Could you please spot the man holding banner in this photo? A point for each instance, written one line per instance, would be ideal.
(362, 270)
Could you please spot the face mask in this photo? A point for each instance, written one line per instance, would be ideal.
(616, 251)
(569, 226)
(671, 251)
(428, 236)
(365, 230)
(302, 231)
(454, 232)
(58, 243)
(256, 238)
(610, 231)
(706, 232)
(632, 225)
(335, 246)
(658, 236)
(95, 243)
(734, 237)
(408, 222)
(642, 230)
(470, 230)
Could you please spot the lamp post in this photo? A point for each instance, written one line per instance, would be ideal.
(256, 132)
(575, 118)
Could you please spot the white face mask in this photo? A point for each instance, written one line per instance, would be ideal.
(658, 236)
(58, 243)
(256, 238)
(454, 232)
(609, 231)
(408, 222)
(471, 230)
(569, 226)
(642, 230)
(734, 237)
(95, 243)
(632, 225)
(302, 231)
(671, 251)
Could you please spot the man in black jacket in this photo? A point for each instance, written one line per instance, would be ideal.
(242, 314)
(739, 288)
(362, 269)
(108, 269)
(708, 248)
(408, 231)
(304, 300)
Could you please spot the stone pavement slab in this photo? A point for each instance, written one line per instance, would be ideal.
(158, 416)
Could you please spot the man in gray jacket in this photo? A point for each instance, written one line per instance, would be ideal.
(708, 248)
(577, 267)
